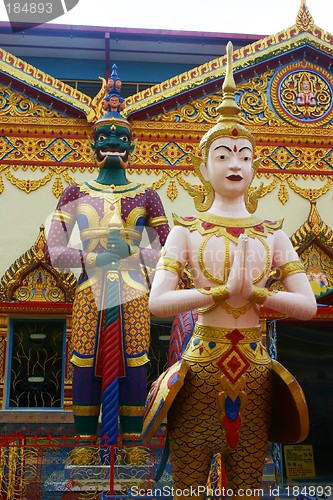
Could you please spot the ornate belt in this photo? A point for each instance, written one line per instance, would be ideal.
(209, 343)
(206, 332)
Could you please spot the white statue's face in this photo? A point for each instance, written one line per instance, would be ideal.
(229, 166)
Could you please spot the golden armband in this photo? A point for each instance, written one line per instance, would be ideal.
(259, 295)
(170, 264)
(290, 268)
(157, 221)
(61, 216)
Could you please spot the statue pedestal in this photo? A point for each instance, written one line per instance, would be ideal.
(80, 479)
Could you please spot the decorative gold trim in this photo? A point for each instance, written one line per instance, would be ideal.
(113, 275)
(220, 293)
(288, 389)
(61, 216)
(94, 232)
(259, 295)
(130, 233)
(91, 281)
(229, 221)
(227, 236)
(142, 360)
(304, 20)
(131, 436)
(132, 283)
(82, 363)
(35, 256)
(22, 71)
(133, 218)
(290, 268)
(304, 156)
(131, 411)
(28, 185)
(90, 261)
(304, 31)
(84, 456)
(104, 231)
(42, 308)
(114, 189)
(201, 262)
(206, 332)
(132, 263)
(170, 264)
(229, 121)
(157, 221)
(134, 250)
(205, 291)
(310, 194)
(313, 229)
(236, 311)
(284, 100)
(203, 196)
(16, 104)
(227, 264)
(86, 411)
(112, 194)
(85, 437)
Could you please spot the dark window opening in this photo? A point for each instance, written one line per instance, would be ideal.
(36, 365)
(306, 350)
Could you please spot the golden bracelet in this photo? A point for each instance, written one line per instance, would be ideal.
(205, 291)
(259, 295)
(290, 268)
(218, 293)
(90, 260)
(134, 250)
(170, 264)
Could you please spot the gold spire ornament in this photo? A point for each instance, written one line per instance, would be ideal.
(228, 125)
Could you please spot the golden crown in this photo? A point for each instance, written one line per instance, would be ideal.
(229, 121)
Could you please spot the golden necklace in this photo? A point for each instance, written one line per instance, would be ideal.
(223, 224)
(219, 281)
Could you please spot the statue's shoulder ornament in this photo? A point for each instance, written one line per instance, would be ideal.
(188, 222)
(273, 225)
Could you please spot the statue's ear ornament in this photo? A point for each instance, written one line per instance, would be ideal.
(203, 195)
(256, 165)
(132, 155)
(252, 194)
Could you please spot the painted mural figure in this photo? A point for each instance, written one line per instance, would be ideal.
(305, 97)
(111, 318)
(218, 397)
